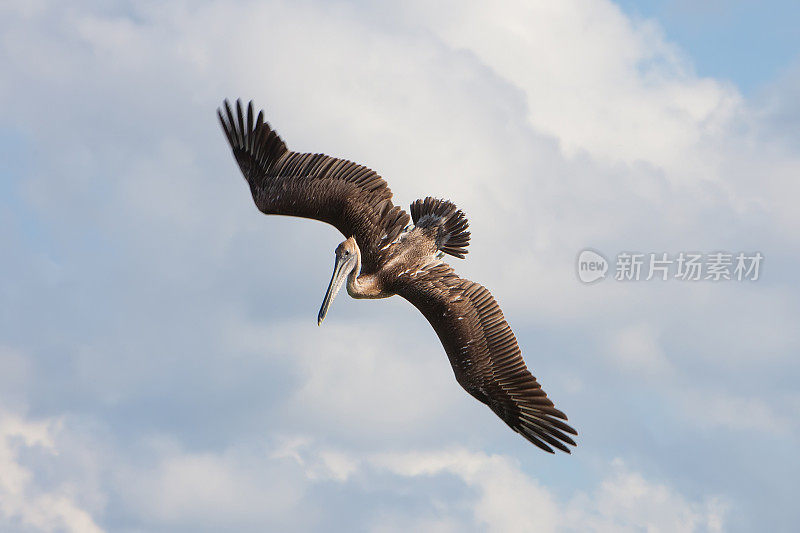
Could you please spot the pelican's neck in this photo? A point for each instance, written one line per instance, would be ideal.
(366, 286)
(353, 285)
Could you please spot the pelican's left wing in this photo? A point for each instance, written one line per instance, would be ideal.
(484, 353)
(353, 198)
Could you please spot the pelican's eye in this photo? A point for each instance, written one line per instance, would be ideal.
(346, 253)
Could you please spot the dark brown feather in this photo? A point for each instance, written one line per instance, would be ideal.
(351, 197)
(484, 353)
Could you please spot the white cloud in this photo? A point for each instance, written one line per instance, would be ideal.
(327, 464)
(737, 411)
(626, 501)
(204, 489)
(359, 379)
(636, 349)
(554, 126)
(24, 500)
(508, 500)
(387, 522)
(504, 498)
(274, 486)
(593, 78)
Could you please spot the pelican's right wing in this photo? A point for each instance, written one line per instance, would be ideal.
(351, 197)
(484, 353)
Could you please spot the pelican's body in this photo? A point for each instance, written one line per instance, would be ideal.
(407, 256)
(387, 252)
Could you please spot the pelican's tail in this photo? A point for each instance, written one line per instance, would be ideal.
(452, 236)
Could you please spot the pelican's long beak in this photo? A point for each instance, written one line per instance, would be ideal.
(340, 273)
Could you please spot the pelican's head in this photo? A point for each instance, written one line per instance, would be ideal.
(345, 261)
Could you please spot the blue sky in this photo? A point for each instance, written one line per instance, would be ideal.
(748, 43)
(160, 364)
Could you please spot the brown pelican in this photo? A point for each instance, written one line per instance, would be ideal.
(384, 255)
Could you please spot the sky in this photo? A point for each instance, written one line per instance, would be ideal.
(749, 43)
(160, 364)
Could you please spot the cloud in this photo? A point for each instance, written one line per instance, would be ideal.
(235, 488)
(508, 500)
(504, 498)
(25, 500)
(737, 412)
(626, 501)
(143, 293)
(326, 464)
(636, 349)
(255, 487)
(361, 379)
(614, 75)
